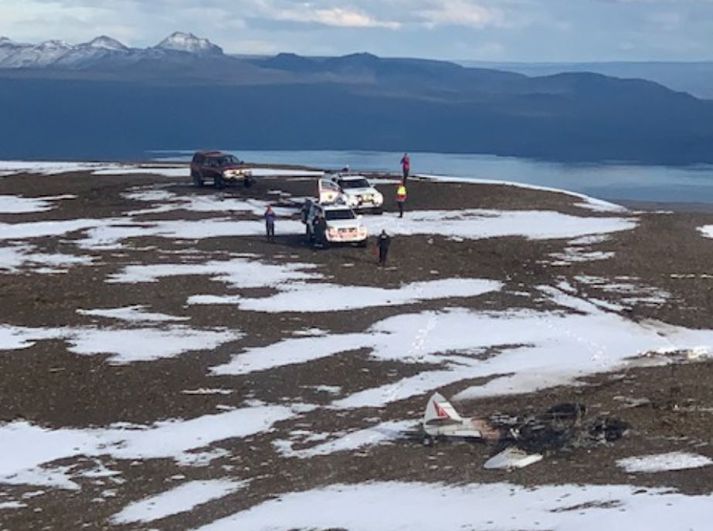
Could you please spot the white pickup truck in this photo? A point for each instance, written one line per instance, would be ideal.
(355, 190)
(342, 224)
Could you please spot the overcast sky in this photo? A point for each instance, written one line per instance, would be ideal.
(495, 30)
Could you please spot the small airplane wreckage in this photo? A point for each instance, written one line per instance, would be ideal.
(527, 439)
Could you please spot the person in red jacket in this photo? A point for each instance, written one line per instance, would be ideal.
(406, 166)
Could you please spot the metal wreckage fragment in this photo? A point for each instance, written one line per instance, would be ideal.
(521, 439)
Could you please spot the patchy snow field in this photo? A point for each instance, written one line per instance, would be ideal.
(392, 506)
(165, 367)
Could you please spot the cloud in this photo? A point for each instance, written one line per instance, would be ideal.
(461, 13)
(336, 16)
(534, 30)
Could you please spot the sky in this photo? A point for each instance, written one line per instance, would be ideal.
(479, 30)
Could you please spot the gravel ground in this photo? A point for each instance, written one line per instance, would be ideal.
(48, 385)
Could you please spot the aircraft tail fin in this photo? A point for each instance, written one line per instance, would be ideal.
(438, 408)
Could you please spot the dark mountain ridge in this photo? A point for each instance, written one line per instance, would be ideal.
(105, 100)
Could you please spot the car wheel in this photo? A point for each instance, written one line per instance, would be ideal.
(197, 181)
(248, 182)
(362, 243)
(219, 182)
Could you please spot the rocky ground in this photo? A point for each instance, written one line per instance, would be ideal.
(299, 382)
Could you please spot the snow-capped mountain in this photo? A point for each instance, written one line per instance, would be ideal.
(102, 51)
(106, 43)
(187, 42)
(16, 55)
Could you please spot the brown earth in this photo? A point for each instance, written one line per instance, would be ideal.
(51, 387)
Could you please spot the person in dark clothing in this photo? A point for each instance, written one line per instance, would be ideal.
(320, 231)
(270, 223)
(304, 211)
(383, 242)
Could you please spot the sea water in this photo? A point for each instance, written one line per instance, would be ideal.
(611, 180)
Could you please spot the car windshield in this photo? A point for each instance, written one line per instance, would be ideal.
(339, 214)
(354, 183)
(228, 160)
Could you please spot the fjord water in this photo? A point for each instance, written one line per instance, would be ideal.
(612, 181)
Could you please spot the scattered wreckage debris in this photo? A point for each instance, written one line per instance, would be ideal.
(526, 438)
(511, 457)
(441, 420)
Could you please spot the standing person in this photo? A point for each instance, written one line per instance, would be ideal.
(383, 242)
(320, 231)
(401, 198)
(406, 166)
(270, 223)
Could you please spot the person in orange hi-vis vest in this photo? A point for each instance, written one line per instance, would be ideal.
(401, 199)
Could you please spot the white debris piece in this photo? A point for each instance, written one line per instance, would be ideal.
(511, 457)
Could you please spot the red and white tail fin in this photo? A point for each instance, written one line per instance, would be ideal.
(438, 408)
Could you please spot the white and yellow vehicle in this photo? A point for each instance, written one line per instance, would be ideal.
(354, 190)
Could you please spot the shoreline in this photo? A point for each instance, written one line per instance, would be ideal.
(11, 167)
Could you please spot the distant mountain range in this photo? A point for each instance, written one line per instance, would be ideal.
(102, 51)
(102, 99)
(695, 77)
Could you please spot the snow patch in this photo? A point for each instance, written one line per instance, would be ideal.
(302, 297)
(237, 273)
(12, 204)
(397, 505)
(11, 505)
(479, 224)
(386, 431)
(30, 448)
(54, 168)
(146, 344)
(132, 314)
(16, 257)
(123, 345)
(664, 462)
(519, 351)
(165, 171)
(589, 203)
(178, 500)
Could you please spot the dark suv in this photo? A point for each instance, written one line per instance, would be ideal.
(220, 169)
